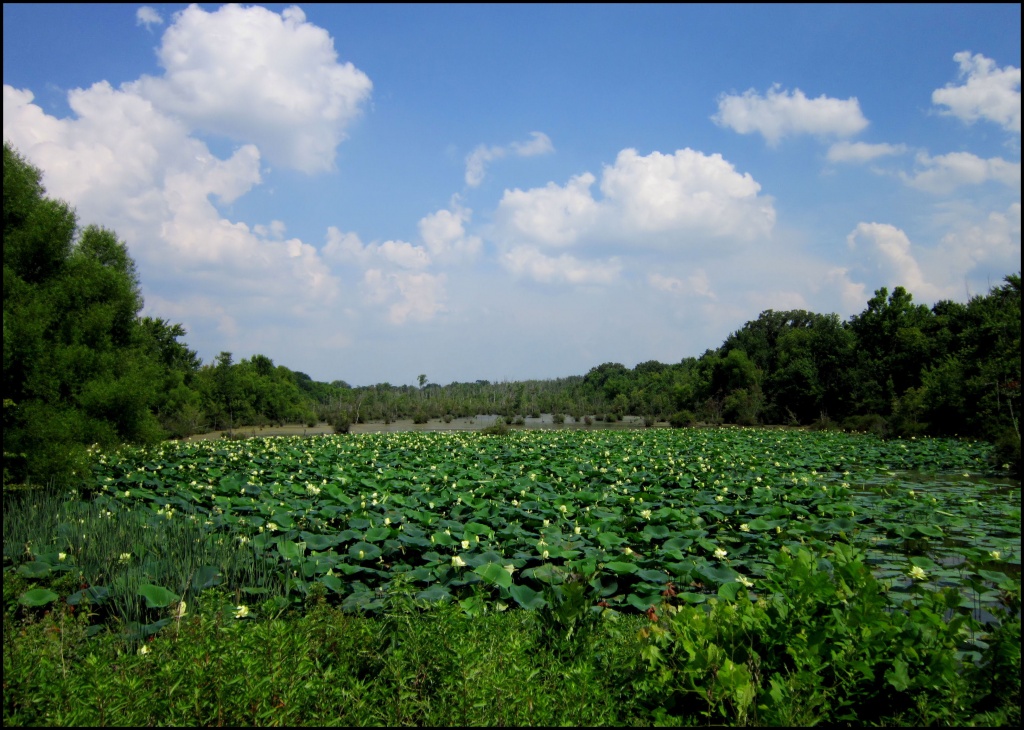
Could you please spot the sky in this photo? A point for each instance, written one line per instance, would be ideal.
(503, 192)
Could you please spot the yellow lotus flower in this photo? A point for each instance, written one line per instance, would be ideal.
(744, 527)
(745, 582)
(458, 562)
(241, 611)
(720, 553)
(917, 573)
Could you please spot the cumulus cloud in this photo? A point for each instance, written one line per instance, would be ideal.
(553, 215)
(697, 283)
(986, 92)
(945, 173)
(477, 160)
(444, 234)
(418, 297)
(657, 200)
(348, 248)
(529, 262)
(252, 75)
(780, 114)
(148, 17)
(890, 249)
(860, 152)
(992, 243)
(686, 191)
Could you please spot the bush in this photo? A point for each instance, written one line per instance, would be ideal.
(558, 418)
(341, 423)
(683, 419)
(867, 423)
(1007, 451)
(420, 417)
(520, 421)
(498, 428)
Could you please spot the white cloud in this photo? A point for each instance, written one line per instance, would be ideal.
(444, 234)
(252, 75)
(655, 201)
(528, 261)
(147, 16)
(987, 92)
(890, 249)
(992, 243)
(687, 191)
(779, 114)
(417, 297)
(552, 215)
(859, 152)
(479, 158)
(945, 173)
(697, 283)
(348, 248)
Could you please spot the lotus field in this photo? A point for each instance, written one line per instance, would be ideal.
(498, 522)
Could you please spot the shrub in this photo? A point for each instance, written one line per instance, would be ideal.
(341, 423)
(683, 419)
(558, 418)
(498, 428)
(420, 417)
(520, 421)
(867, 423)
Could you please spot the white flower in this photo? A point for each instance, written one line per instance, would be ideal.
(744, 527)
(143, 650)
(745, 582)
(181, 609)
(241, 611)
(62, 556)
(719, 498)
(627, 550)
(576, 529)
(510, 568)
(125, 557)
(544, 555)
(458, 562)
(917, 573)
(995, 554)
(465, 544)
(272, 526)
(646, 514)
(720, 553)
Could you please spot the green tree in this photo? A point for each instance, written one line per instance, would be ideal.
(79, 367)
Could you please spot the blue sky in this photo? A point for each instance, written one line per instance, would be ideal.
(370, 192)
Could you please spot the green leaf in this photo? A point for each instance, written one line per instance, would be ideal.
(728, 591)
(35, 569)
(332, 582)
(527, 597)
(364, 551)
(620, 567)
(494, 574)
(37, 597)
(377, 534)
(436, 593)
(291, 550)
(157, 596)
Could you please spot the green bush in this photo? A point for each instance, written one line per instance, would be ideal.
(683, 419)
(341, 423)
(867, 423)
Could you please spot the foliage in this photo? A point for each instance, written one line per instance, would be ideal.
(80, 367)
(819, 645)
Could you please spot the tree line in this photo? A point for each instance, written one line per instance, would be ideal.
(83, 368)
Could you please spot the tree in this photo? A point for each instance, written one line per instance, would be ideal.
(79, 367)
